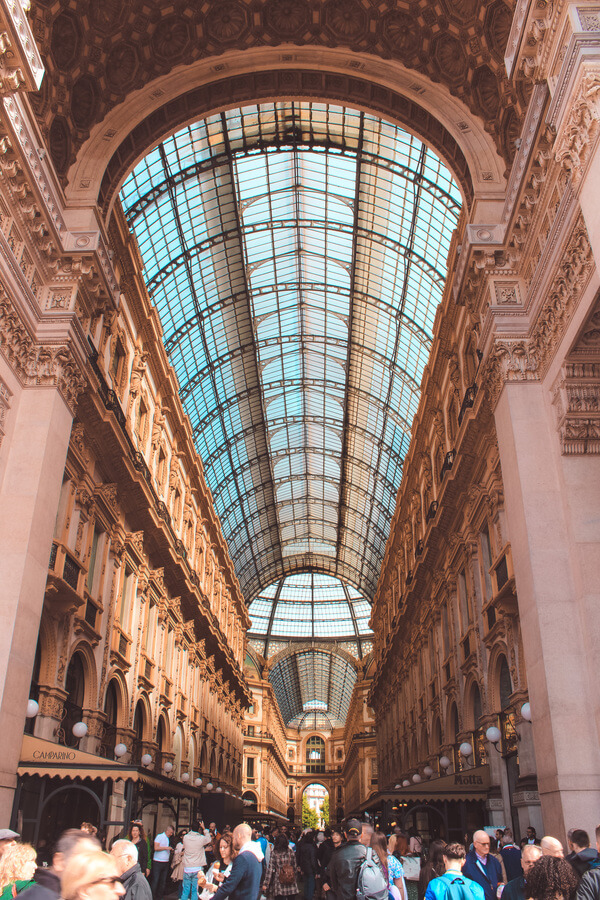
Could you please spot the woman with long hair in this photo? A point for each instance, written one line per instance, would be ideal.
(389, 865)
(219, 869)
(92, 875)
(280, 877)
(137, 836)
(17, 866)
(433, 868)
(551, 878)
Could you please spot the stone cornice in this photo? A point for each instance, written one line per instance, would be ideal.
(526, 357)
(21, 66)
(58, 231)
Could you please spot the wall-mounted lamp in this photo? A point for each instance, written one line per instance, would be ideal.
(79, 730)
(33, 708)
(465, 749)
(445, 763)
(120, 750)
(428, 771)
(526, 712)
(146, 760)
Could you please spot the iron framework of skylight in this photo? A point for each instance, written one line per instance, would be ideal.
(313, 685)
(309, 606)
(296, 255)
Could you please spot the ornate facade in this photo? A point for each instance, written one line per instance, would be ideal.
(488, 592)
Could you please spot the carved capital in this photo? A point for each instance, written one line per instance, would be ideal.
(514, 359)
(37, 364)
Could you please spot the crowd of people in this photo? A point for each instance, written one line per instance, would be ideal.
(353, 861)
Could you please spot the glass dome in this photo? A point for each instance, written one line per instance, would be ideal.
(310, 605)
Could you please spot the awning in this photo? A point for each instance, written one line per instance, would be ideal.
(46, 759)
(472, 784)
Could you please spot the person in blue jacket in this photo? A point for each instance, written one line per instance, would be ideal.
(243, 882)
(453, 883)
(482, 867)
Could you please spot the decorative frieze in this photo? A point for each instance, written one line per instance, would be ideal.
(577, 403)
(578, 134)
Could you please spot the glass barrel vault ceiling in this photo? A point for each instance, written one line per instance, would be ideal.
(296, 253)
(313, 688)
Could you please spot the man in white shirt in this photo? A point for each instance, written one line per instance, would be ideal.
(194, 859)
(160, 862)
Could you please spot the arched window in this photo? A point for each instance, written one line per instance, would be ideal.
(139, 727)
(477, 710)
(177, 750)
(111, 710)
(75, 688)
(506, 687)
(34, 688)
(315, 754)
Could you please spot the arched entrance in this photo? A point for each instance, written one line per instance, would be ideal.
(315, 806)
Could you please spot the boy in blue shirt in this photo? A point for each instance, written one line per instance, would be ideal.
(453, 885)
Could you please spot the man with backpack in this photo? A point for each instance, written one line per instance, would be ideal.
(453, 885)
(346, 862)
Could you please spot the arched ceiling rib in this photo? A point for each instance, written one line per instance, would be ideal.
(296, 255)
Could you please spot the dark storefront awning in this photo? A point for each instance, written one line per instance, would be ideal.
(472, 784)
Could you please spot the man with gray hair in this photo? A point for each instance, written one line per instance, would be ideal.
(515, 889)
(134, 881)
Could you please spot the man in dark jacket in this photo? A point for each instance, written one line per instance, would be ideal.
(515, 889)
(243, 882)
(589, 886)
(136, 886)
(47, 881)
(306, 857)
(346, 861)
(582, 855)
(482, 867)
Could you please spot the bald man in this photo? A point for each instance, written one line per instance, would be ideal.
(243, 882)
(552, 847)
(483, 868)
(515, 889)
